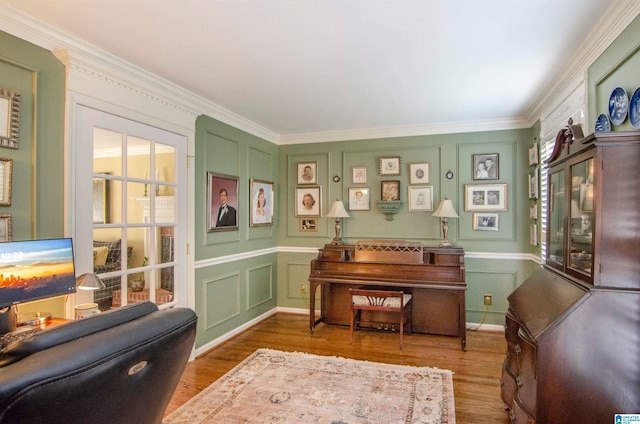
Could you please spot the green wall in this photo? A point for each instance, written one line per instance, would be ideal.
(231, 293)
(37, 192)
(450, 152)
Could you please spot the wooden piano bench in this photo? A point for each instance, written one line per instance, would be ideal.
(383, 301)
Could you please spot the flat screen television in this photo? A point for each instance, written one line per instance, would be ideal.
(36, 269)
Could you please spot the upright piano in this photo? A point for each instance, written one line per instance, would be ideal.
(435, 277)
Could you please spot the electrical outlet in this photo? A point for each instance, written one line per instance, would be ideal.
(303, 288)
(487, 299)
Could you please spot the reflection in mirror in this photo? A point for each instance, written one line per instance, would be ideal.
(580, 245)
(556, 217)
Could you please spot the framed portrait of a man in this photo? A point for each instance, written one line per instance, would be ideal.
(222, 202)
(307, 172)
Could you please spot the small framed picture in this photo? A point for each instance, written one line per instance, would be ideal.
(533, 212)
(261, 198)
(307, 172)
(533, 155)
(308, 201)
(359, 198)
(533, 184)
(485, 222)
(10, 104)
(359, 174)
(489, 197)
(533, 230)
(308, 224)
(390, 190)
(485, 166)
(389, 165)
(6, 175)
(419, 173)
(5, 227)
(421, 198)
(222, 202)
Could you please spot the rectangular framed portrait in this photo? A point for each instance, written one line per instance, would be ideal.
(421, 198)
(489, 197)
(5, 227)
(359, 198)
(309, 224)
(308, 201)
(222, 202)
(486, 222)
(485, 166)
(390, 190)
(261, 200)
(307, 172)
(389, 165)
(533, 234)
(6, 175)
(533, 184)
(359, 174)
(533, 155)
(419, 173)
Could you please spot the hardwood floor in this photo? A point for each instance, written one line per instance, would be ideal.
(476, 379)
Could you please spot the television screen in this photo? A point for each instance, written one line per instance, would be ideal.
(36, 269)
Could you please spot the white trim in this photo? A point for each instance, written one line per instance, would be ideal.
(235, 257)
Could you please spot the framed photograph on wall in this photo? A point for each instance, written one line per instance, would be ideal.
(6, 176)
(5, 227)
(533, 230)
(486, 222)
(9, 118)
(359, 174)
(421, 198)
(533, 212)
(533, 155)
(222, 202)
(390, 190)
(307, 172)
(308, 201)
(308, 224)
(485, 166)
(389, 165)
(533, 184)
(419, 173)
(359, 198)
(489, 197)
(261, 199)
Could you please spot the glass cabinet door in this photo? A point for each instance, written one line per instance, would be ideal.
(581, 215)
(555, 230)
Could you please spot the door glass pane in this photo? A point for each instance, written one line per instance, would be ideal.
(580, 244)
(138, 158)
(556, 218)
(138, 204)
(107, 151)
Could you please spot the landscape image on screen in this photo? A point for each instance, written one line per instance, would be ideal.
(35, 269)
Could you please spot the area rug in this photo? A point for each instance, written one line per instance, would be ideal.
(271, 386)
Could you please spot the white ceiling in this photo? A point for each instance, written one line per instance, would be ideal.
(313, 66)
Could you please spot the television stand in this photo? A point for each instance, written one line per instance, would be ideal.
(34, 318)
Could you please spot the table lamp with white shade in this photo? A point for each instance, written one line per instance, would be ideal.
(337, 211)
(92, 282)
(445, 210)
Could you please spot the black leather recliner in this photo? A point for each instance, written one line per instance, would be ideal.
(121, 366)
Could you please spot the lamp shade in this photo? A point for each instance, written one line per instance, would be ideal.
(445, 209)
(89, 281)
(338, 210)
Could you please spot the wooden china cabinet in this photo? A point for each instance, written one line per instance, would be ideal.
(573, 327)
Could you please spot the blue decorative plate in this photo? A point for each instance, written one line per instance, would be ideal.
(634, 109)
(603, 124)
(618, 106)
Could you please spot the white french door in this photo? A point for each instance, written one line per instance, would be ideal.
(130, 227)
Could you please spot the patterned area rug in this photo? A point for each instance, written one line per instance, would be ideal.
(280, 387)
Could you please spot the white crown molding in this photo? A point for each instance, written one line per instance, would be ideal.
(88, 60)
(406, 131)
(617, 18)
